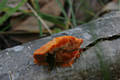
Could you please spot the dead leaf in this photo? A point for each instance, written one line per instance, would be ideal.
(113, 5)
(52, 8)
(30, 24)
(115, 0)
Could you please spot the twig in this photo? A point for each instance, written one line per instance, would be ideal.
(69, 13)
(39, 18)
(10, 75)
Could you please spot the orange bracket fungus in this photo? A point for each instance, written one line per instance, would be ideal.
(61, 51)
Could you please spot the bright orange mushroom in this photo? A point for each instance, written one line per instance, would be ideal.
(61, 51)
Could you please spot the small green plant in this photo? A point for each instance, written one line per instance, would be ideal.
(64, 13)
(119, 4)
(3, 4)
(10, 11)
(72, 12)
(103, 65)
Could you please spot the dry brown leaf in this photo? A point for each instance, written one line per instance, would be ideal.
(31, 24)
(114, 5)
(42, 3)
(115, 0)
(52, 8)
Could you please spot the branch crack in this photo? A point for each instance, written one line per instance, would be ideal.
(109, 38)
